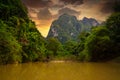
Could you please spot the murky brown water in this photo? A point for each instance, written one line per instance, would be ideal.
(60, 71)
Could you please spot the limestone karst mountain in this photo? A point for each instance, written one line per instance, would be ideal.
(68, 27)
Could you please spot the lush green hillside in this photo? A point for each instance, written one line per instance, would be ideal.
(20, 41)
(103, 43)
(9, 8)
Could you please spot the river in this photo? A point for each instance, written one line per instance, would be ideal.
(60, 71)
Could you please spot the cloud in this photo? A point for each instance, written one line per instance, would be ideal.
(68, 11)
(57, 6)
(44, 14)
(50, 3)
(107, 6)
(73, 2)
(37, 3)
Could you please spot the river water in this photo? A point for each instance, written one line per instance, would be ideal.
(60, 71)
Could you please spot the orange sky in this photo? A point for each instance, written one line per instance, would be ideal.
(43, 26)
(43, 12)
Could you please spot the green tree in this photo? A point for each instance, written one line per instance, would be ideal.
(53, 45)
(104, 42)
(113, 25)
(97, 45)
(81, 42)
(19, 38)
(69, 46)
(10, 49)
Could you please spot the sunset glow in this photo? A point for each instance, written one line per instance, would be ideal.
(44, 12)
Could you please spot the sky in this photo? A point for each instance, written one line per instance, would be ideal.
(44, 12)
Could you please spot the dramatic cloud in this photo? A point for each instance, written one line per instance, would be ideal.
(108, 5)
(57, 6)
(68, 11)
(75, 2)
(37, 3)
(32, 13)
(44, 14)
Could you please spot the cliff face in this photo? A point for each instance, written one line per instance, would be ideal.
(67, 27)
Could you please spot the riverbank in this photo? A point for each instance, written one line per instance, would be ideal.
(117, 60)
(64, 59)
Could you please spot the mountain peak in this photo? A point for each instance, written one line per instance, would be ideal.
(91, 21)
(68, 27)
(64, 16)
(85, 18)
